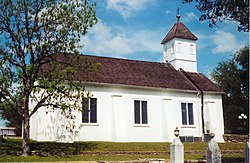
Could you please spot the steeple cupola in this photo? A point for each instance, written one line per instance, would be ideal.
(179, 47)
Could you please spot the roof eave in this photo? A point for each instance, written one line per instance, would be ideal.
(214, 92)
(139, 87)
(164, 41)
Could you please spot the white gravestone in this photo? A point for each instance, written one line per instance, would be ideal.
(176, 149)
(213, 154)
(247, 152)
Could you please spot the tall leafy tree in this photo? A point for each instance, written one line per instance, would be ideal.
(221, 10)
(233, 77)
(34, 34)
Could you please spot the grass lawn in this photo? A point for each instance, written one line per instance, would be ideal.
(108, 151)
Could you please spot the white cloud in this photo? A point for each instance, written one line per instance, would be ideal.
(169, 12)
(225, 42)
(192, 16)
(102, 40)
(189, 17)
(128, 7)
(202, 40)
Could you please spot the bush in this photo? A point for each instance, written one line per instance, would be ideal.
(2, 140)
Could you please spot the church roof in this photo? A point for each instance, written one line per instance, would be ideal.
(138, 73)
(201, 81)
(179, 30)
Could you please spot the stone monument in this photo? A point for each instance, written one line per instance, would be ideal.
(247, 152)
(213, 154)
(176, 149)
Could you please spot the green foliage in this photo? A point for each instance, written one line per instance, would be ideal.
(8, 112)
(233, 77)
(218, 11)
(35, 36)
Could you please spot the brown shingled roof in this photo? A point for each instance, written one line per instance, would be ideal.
(179, 30)
(136, 73)
(203, 82)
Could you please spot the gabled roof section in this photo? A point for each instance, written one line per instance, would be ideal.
(179, 30)
(202, 82)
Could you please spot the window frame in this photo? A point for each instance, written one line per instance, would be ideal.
(172, 48)
(91, 111)
(179, 47)
(188, 120)
(165, 53)
(143, 112)
(191, 46)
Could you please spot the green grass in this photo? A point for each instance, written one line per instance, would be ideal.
(79, 158)
(109, 151)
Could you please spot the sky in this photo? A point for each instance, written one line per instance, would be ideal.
(134, 29)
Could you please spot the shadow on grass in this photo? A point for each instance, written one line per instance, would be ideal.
(14, 147)
(61, 149)
(233, 159)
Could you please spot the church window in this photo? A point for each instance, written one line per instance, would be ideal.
(89, 110)
(169, 51)
(165, 52)
(141, 112)
(191, 49)
(187, 113)
(179, 47)
(172, 48)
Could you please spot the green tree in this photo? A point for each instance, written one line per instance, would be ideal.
(34, 36)
(13, 119)
(221, 10)
(233, 77)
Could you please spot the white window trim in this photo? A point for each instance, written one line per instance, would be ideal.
(179, 47)
(91, 123)
(141, 125)
(172, 48)
(188, 125)
(168, 51)
(192, 47)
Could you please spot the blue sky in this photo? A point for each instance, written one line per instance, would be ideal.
(133, 29)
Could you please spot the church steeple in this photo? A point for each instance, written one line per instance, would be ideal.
(179, 30)
(179, 46)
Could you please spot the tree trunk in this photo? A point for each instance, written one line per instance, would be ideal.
(26, 127)
(26, 137)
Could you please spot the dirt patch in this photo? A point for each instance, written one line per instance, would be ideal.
(235, 138)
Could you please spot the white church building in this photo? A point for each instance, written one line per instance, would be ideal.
(139, 101)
